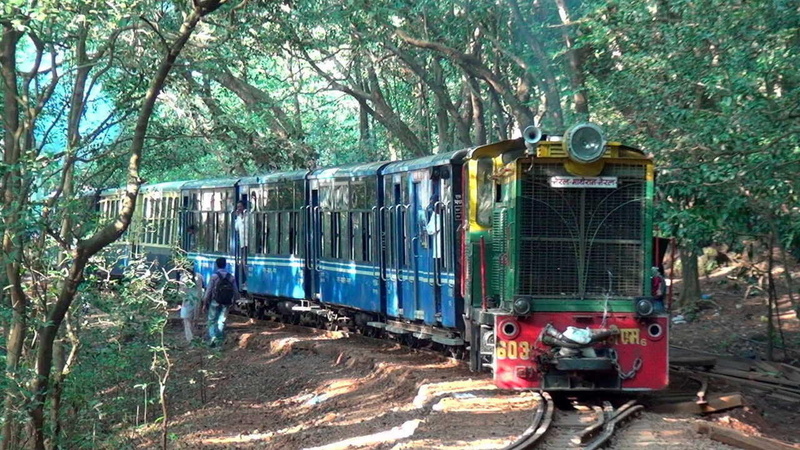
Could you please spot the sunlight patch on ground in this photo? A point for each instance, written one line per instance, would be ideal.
(428, 392)
(477, 444)
(253, 437)
(328, 390)
(384, 437)
(460, 403)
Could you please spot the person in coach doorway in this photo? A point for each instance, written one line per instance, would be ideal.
(241, 227)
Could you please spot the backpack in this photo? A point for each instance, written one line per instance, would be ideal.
(224, 291)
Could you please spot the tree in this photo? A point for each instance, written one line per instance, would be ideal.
(26, 95)
(720, 113)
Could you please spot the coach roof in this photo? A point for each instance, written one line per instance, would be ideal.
(353, 170)
(162, 187)
(211, 184)
(438, 159)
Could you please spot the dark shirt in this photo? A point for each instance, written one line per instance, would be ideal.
(212, 285)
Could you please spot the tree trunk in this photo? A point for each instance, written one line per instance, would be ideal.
(546, 80)
(478, 119)
(446, 110)
(474, 67)
(690, 291)
(442, 118)
(87, 248)
(364, 132)
(12, 232)
(59, 361)
(577, 78)
(771, 301)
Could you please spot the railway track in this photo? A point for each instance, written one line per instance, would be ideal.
(585, 426)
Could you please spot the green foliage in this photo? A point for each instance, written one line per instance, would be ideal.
(711, 88)
(120, 323)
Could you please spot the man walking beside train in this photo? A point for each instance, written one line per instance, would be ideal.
(220, 295)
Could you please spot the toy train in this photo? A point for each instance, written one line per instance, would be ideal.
(534, 255)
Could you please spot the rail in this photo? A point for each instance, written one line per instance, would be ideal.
(592, 437)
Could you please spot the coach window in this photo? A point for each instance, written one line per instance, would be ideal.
(155, 226)
(388, 240)
(271, 236)
(153, 222)
(170, 225)
(346, 251)
(163, 221)
(166, 211)
(227, 204)
(214, 223)
(176, 214)
(447, 219)
(371, 220)
(298, 220)
(338, 221)
(147, 221)
(357, 205)
(486, 191)
(203, 223)
(258, 216)
(166, 225)
(285, 201)
(166, 222)
(142, 229)
(405, 223)
(208, 220)
(325, 218)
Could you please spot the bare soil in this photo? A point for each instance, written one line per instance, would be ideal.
(733, 321)
(278, 386)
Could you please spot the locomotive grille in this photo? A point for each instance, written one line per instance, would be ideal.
(582, 242)
(498, 265)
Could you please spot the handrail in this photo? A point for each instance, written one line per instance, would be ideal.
(373, 231)
(436, 263)
(404, 226)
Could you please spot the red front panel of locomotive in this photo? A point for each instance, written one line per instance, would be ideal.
(640, 348)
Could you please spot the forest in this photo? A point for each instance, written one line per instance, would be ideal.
(126, 92)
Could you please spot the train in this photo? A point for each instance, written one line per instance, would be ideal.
(531, 257)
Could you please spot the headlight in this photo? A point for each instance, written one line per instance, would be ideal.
(522, 306)
(645, 307)
(585, 142)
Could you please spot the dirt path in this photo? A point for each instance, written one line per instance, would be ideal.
(275, 386)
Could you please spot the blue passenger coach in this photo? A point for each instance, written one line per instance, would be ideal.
(207, 222)
(421, 212)
(273, 260)
(372, 245)
(344, 258)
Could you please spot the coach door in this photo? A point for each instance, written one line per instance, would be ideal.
(392, 225)
(427, 207)
(409, 248)
(240, 234)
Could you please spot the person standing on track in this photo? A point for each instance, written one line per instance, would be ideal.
(220, 294)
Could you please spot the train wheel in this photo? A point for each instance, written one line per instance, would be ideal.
(456, 352)
(411, 341)
(250, 310)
